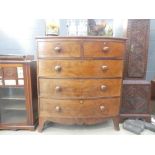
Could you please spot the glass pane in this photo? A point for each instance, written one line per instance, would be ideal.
(12, 105)
(10, 93)
(12, 116)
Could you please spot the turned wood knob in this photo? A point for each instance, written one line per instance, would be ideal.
(58, 88)
(104, 67)
(105, 49)
(102, 107)
(57, 68)
(81, 101)
(57, 109)
(103, 87)
(57, 49)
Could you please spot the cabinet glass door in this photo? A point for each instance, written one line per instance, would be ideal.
(12, 105)
(12, 95)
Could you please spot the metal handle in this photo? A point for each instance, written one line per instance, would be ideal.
(104, 67)
(102, 107)
(58, 88)
(105, 49)
(103, 87)
(57, 109)
(57, 68)
(57, 49)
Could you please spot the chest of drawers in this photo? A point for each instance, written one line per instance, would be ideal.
(79, 79)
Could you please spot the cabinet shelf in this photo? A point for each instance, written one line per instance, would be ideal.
(12, 98)
(14, 108)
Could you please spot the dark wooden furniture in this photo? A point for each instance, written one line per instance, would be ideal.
(79, 79)
(153, 89)
(18, 92)
(136, 100)
(137, 49)
(136, 91)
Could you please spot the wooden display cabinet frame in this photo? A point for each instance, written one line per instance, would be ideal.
(30, 90)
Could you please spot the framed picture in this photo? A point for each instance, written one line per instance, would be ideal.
(52, 27)
(100, 27)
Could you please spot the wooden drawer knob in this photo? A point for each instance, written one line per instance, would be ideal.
(57, 68)
(57, 49)
(81, 101)
(103, 87)
(102, 107)
(105, 49)
(57, 109)
(58, 88)
(104, 67)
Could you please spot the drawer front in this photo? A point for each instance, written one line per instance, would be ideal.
(79, 108)
(75, 88)
(80, 68)
(59, 49)
(103, 49)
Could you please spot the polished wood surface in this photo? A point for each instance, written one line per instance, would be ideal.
(59, 49)
(83, 88)
(79, 108)
(103, 49)
(79, 79)
(80, 68)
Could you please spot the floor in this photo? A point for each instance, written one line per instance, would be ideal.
(105, 128)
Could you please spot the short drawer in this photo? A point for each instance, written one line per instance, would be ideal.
(52, 49)
(80, 68)
(77, 88)
(103, 49)
(79, 108)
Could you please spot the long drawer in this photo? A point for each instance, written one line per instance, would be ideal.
(103, 49)
(79, 88)
(59, 49)
(79, 108)
(80, 68)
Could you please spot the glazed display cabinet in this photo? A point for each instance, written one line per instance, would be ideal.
(18, 95)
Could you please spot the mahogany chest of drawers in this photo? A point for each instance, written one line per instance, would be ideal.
(79, 79)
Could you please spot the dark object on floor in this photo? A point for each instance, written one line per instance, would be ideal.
(137, 126)
(132, 127)
(147, 125)
(136, 123)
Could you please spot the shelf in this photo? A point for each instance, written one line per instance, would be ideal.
(14, 108)
(12, 98)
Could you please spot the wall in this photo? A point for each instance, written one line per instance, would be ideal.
(151, 53)
(18, 37)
